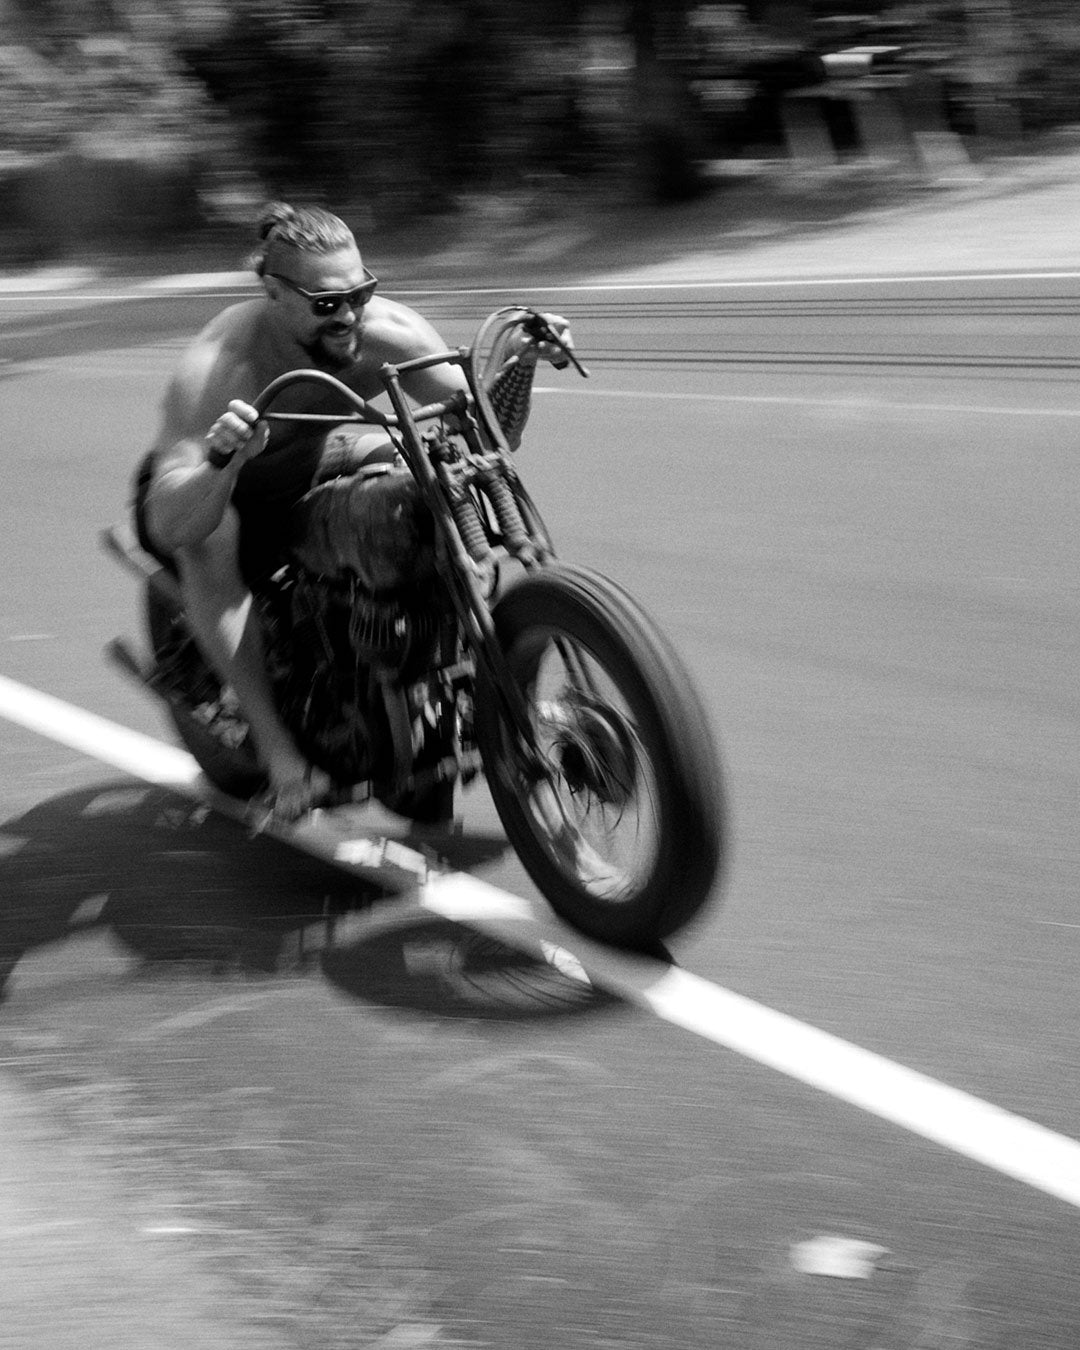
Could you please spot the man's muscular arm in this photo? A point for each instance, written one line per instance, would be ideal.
(510, 394)
(397, 334)
(509, 387)
(200, 449)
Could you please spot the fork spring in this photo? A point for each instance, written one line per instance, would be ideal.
(507, 513)
(471, 528)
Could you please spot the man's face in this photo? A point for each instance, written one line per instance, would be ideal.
(332, 340)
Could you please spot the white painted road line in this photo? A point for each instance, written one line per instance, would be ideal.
(143, 757)
(167, 766)
(210, 284)
(1005, 1142)
(1008, 1143)
(785, 400)
(975, 1129)
(719, 263)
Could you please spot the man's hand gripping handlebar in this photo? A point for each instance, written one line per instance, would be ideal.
(551, 333)
(237, 434)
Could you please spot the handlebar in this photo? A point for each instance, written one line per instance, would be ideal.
(362, 410)
(533, 322)
(539, 328)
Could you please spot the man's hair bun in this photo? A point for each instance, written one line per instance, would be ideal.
(311, 228)
(274, 214)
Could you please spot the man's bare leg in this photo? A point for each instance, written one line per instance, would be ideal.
(226, 626)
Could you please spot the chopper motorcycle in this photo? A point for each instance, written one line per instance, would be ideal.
(481, 655)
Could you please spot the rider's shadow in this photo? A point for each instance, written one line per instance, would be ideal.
(177, 884)
(171, 880)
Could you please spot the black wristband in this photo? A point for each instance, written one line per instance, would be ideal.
(218, 459)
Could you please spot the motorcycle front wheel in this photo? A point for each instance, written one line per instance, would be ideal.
(617, 814)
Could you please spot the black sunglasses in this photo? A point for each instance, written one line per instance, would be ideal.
(325, 303)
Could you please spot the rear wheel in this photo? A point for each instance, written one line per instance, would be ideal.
(622, 827)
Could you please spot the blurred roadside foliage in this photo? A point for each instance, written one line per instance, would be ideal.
(391, 109)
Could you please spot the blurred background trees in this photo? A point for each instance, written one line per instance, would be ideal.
(395, 109)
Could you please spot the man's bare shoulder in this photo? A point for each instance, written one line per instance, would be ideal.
(228, 347)
(397, 332)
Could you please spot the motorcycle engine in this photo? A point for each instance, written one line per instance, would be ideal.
(331, 646)
(357, 615)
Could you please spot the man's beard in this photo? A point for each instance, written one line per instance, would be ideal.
(334, 358)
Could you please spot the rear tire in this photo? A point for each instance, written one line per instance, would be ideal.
(624, 833)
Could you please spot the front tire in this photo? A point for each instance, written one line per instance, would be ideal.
(623, 829)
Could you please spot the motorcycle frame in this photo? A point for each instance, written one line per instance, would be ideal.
(487, 454)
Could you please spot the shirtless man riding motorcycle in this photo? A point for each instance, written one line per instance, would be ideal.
(215, 489)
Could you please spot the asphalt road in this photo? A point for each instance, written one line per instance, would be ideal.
(250, 1120)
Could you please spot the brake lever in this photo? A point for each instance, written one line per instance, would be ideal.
(539, 328)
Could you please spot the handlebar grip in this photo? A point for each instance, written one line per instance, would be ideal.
(538, 327)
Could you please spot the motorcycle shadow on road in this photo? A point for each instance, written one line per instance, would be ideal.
(182, 888)
(429, 964)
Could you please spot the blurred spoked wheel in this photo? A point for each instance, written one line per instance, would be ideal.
(617, 812)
